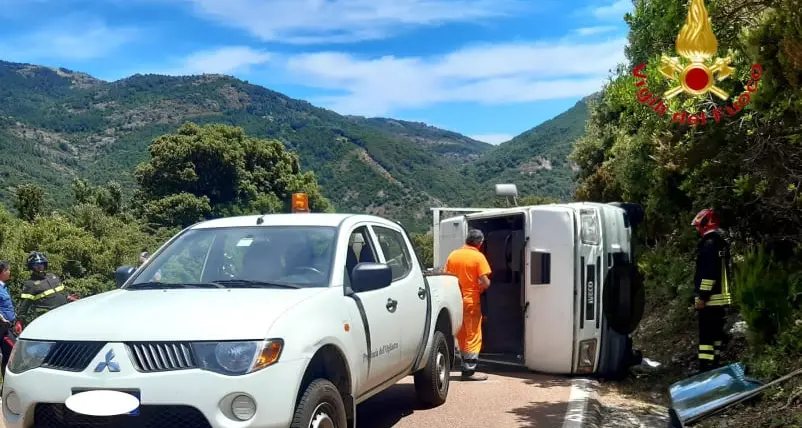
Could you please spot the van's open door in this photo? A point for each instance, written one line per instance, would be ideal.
(448, 236)
(550, 277)
(451, 236)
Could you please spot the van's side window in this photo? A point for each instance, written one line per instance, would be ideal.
(395, 251)
(540, 266)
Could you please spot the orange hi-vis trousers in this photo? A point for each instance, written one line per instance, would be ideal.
(469, 336)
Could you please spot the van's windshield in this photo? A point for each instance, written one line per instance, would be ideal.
(243, 257)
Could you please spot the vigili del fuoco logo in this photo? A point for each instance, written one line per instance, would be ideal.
(696, 73)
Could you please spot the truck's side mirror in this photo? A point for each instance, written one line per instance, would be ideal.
(122, 274)
(370, 276)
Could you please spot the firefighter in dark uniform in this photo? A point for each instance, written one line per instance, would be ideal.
(43, 291)
(711, 288)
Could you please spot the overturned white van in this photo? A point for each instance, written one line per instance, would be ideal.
(565, 292)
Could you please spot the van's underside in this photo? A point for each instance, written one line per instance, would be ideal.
(503, 304)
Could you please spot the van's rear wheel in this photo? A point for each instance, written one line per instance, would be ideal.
(321, 406)
(431, 382)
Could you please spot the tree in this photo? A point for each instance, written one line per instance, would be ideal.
(423, 243)
(108, 197)
(217, 170)
(748, 167)
(29, 201)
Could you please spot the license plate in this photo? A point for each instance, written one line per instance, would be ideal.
(135, 392)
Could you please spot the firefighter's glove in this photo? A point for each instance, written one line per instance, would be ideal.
(699, 304)
(18, 328)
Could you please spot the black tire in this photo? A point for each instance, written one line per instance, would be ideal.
(321, 399)
(431, 382)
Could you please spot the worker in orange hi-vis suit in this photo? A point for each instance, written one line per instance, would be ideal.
(472, 270)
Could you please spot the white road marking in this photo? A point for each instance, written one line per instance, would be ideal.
(578, 402)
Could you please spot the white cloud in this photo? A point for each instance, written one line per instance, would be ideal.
(494, 139)
(592, 31)
(343, 21)
(227, 60)
(615, 10)
(487, 74)
(73, 38)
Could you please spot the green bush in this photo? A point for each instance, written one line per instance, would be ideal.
(423, 243)
(767, 293)
(667, 270)
(83, 245)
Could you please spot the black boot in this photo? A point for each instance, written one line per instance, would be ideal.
(706, 366)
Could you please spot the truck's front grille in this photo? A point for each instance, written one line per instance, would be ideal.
(161, 356)
(58, 416)
(72, 356)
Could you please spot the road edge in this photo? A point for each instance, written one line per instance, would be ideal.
(584, 407)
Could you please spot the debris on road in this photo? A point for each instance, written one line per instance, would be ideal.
(624, 411)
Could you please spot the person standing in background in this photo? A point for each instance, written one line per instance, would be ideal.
(44, 291)
(472, 270)
(10, 327)
(711, 288)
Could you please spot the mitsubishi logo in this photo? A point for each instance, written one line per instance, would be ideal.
(109, 362)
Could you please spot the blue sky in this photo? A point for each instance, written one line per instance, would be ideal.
(489, 69)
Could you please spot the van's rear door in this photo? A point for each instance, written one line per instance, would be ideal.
(550, 283)
(452, 236)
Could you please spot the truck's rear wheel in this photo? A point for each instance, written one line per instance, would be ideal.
(431, 382)
(321, 406)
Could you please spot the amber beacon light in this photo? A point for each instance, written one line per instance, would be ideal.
(300, 203)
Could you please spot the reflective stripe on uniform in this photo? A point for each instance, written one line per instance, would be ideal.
(43, 294)
(724, 298)
(707, 284)
(706, 352)
(719, 300)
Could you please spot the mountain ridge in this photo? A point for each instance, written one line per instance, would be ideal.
(65, 124)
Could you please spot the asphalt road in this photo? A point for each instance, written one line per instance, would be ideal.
(506, 400)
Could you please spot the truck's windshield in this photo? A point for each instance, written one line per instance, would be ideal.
(260, 256)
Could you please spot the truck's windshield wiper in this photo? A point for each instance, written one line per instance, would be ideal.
(155, 285)
(248, 283)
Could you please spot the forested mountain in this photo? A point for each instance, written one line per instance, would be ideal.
(60, 124)
(537, 160)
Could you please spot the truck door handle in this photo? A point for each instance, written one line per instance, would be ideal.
(391, 305)
(422, 293)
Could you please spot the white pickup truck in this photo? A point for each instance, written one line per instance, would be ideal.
(284, 320)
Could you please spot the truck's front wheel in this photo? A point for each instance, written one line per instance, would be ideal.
(431, 382)
(320, 406)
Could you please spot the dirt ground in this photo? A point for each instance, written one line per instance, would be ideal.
(622, 411)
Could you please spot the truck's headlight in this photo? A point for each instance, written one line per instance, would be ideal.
(28, 355)
(237, 358)
(587, 356)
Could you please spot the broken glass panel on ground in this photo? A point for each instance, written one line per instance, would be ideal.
(702, 395)
(708, 393)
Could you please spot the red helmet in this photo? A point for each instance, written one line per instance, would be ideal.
(705, 221)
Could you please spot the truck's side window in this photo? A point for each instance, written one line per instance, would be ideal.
(540, 266)
(360, 250)
(395, 251)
